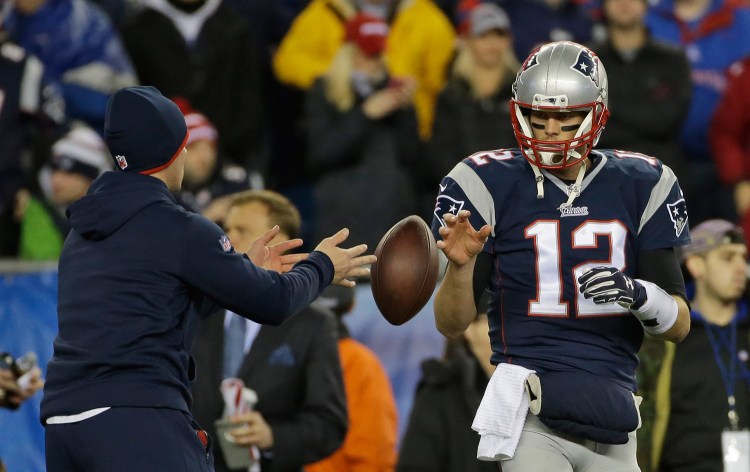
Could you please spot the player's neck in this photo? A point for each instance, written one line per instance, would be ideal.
(570, 173)
(714, 310)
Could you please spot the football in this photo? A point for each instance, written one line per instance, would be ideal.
(406, 272)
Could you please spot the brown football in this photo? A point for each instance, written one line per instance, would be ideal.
(406, 272)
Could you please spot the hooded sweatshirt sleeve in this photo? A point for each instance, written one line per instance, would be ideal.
(209, 264)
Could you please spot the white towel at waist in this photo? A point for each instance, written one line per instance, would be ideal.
(502, 413)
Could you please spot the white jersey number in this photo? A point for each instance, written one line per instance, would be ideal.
(549, 293)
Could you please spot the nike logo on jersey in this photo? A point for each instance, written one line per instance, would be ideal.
(573, 211)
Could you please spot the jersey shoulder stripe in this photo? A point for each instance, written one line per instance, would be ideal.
(658, 196)
(476, 191)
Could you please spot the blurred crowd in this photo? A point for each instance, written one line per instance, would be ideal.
(354, 109)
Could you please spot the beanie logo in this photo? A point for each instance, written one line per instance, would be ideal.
(226, 246)
(121, 161)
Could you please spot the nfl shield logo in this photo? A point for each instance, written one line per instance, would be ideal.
(226, 246)
(678, 214)
(121, 161)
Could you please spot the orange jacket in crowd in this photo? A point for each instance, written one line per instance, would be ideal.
(370, 444)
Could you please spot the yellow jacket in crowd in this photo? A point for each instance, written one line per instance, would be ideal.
(420, 45)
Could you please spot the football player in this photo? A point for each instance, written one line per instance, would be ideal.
(577, 246)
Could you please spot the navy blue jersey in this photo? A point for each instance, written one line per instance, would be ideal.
(538, 319)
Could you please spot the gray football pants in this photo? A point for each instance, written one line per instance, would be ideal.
(542, 450)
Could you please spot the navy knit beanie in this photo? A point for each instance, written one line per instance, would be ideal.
(144, 130)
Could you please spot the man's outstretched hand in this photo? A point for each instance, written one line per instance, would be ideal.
(349, 263)
(274, 257)
(461, 242)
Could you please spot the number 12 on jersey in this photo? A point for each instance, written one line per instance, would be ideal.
(549, 272)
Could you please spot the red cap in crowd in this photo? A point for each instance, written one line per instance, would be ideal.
(368, 32)
(198, 125)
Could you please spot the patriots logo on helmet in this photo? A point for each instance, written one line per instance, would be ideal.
(446, 204)
(531, 61)
(226, 246)
(586, 65)
(121, 161)
(678, 215)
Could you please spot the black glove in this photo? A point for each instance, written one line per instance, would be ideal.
(609, 285)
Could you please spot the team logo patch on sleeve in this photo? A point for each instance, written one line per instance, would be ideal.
(678, 215)
(446, 204)
(226, 246)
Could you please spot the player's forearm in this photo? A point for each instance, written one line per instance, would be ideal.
(454, 303)
(681, 326)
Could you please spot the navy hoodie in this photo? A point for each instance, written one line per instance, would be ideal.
(136, 274)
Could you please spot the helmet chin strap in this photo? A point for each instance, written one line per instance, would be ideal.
(539, 181)
(575, 189)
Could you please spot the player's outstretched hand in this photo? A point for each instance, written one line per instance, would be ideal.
(347, 263)
(609, 285)
(461, 242)
(274, 257)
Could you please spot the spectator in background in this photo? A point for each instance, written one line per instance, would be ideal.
(118, 10)
(12, 393)
(361, 137)
(370, 443)
(472, 111)
(282, 103)
(542, 21)
(439, 436)
(209, 180)
(730, 139)
(649, 86)
(202, 51)
(714, 34)
(703, 390)
(79, 48)
(294, 368)
(33, 111)
(420, 45)
(77, 159)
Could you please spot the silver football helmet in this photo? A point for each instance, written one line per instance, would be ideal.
(560, 76)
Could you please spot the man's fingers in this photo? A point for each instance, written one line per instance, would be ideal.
(592, 274)
(289, 260)
(364, 260)
(484, 232)
(339, 237)
(359, 272)
(293, 258)
(269, 235)
(357, 250)
(241, 418)
(346, 283)
(286, 246)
